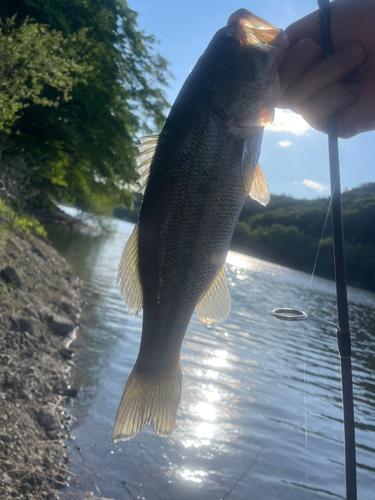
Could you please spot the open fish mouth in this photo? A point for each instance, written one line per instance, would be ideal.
(260, 33)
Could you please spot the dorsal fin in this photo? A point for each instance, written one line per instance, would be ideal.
(214, 305)
(128, 279)
(147, 150)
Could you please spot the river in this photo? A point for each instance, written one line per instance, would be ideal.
(260, 415)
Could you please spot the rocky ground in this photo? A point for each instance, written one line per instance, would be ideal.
(39, 312)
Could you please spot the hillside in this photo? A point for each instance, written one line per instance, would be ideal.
(288, 232)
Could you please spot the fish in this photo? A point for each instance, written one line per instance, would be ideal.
(195, 177)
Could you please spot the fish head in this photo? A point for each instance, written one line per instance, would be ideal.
(244, 83)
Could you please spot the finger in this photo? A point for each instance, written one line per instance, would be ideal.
(298, 61)
(350, 22)
(354, 120)
(360, 117)
(307, 27)
(326, 102)
(330, 70)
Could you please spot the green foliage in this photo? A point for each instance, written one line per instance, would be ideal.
(31, 58)
(108, 91)
(24, 222)
(286, 245)
(289, 232)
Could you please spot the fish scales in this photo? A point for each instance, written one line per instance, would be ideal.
(182, 244)
(204, 166)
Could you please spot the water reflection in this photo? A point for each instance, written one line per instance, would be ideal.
(219, 359)
(194, 476)
(253, 384)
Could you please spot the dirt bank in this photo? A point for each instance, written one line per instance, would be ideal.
(39, 312)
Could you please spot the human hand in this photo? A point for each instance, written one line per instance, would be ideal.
(343, 82)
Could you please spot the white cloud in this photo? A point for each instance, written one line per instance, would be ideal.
(287, 121)
(284, 144)
(316, 186)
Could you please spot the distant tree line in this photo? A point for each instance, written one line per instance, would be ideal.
(78, 82)
(290, 232)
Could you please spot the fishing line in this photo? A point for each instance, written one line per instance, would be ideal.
(323, 230)
(304, 337)
(306, 303)
(228, 493)
(342, 330)
(305, 401)
(231, 6)
(317, 253)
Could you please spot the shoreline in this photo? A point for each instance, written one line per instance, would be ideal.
(40, 305)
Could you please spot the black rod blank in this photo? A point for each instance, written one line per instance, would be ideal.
(343, 332)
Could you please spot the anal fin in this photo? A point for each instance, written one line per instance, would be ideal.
(214, 305)
(128, 279)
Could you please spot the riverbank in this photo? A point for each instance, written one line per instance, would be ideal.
(39, 311)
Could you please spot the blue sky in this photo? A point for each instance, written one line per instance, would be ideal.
(294, 159)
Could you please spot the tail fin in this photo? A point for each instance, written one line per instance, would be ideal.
(146, 401)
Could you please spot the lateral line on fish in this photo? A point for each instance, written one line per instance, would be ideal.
(324, 227)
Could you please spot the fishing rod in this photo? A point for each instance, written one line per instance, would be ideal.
(343, 334)
(342, 330)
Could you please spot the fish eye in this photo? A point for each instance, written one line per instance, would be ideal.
(232, 42)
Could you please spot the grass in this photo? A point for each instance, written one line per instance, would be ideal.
(12, 221)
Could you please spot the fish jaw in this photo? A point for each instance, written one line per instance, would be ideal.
(261, 34)
(244, 83)
(237, 73)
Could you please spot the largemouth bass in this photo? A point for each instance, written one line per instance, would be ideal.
(195, 177)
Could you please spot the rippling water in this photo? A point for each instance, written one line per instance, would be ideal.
(260, 415)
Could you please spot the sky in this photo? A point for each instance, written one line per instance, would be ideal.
(294, 157)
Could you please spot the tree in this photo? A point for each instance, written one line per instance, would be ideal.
(31, 58)
(82, 149)
(290, 232)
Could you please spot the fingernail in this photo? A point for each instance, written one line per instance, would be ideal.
(352, 53)
(304, 49)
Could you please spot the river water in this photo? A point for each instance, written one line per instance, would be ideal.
(260, 415)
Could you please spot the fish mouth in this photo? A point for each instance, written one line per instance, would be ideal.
(259, 33)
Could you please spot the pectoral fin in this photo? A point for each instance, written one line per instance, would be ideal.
(128, 279)
(259, 190)
(147, 150)
(214, 305)
(266, 116)
(253, 178)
